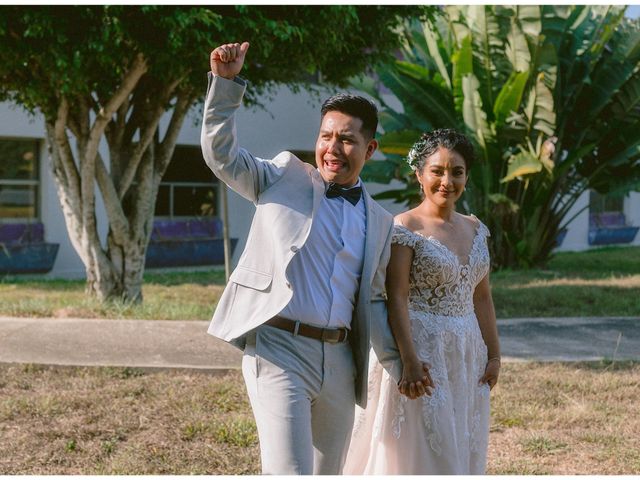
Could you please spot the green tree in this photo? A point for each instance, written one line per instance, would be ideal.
(111, 72)
(512, 78)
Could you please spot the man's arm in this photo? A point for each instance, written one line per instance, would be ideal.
(243, 172)
(382, 341)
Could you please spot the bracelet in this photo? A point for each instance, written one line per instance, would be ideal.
(492, 359)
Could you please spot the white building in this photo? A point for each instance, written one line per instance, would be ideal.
(289, 122)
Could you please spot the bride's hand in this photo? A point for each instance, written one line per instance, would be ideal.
(491, 372)
(416, 380)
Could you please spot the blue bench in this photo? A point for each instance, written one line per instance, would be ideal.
(184, 243)
(23, 249)
(609, 228)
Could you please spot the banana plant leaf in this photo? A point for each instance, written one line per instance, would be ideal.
(398, 142)
(524, 163)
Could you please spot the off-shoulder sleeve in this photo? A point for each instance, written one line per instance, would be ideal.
(403, 236)
(483, 231)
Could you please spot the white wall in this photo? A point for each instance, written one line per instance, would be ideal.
(632, 212)
(577, 237)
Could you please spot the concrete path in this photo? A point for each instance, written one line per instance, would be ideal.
(569, 339)
(133, 343)
(185, 344)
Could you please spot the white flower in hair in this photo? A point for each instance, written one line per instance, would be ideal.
(416, 152)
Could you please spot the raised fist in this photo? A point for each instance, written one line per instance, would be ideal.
(227, 60)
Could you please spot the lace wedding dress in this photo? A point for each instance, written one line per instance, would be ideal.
(446, 433)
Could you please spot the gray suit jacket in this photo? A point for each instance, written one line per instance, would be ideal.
(287, 192)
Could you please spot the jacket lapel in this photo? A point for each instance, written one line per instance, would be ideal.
(318, 189)
(370, 243)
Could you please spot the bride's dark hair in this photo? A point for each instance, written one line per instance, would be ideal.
(448, 138)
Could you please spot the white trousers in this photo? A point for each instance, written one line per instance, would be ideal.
(302, 394)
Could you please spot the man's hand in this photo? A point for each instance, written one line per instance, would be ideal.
(227, 60)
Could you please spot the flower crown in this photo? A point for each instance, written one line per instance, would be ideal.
(415, 153)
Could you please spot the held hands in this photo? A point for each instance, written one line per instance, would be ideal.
(416, 380)
(227, 60)
(491, 372)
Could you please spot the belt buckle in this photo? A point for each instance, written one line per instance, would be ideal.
(326, 338)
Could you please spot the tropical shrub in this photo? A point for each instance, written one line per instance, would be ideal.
(518, 79)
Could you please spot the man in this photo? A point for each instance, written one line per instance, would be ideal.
(307, 295)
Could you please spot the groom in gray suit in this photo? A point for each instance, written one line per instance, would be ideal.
(307, 298)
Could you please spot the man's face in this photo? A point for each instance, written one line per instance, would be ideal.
(342, 149)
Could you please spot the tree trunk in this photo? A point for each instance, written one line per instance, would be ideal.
(76, 175)
(114, 274)
(128, 262)
(114, 271)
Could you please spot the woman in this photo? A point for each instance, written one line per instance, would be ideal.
(441, 313)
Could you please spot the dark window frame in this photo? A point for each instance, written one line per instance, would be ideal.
(599, 203)
(33, 185)
(169, 210)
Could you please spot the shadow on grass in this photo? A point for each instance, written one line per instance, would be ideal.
(564, 301)
(596, 263)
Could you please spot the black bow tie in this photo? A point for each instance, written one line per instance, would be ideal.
(351, 194)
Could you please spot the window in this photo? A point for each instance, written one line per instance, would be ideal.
(599, 203)
(188, 188)
(19, 179)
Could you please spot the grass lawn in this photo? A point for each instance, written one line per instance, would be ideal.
(603, 282)
(167, 296)
(546, 419)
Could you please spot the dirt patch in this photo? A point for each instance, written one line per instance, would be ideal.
(74, 312)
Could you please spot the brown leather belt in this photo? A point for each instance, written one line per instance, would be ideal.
(329, 335)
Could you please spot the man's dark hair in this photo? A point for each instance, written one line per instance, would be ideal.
(355, 106)
(444, 137)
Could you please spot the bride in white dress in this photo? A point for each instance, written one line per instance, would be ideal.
(441, 313)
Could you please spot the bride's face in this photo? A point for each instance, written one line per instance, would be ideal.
(443, 177)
